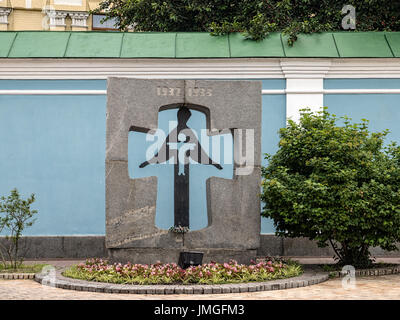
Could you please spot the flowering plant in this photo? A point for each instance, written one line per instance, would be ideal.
(170, 273)
(179, 229)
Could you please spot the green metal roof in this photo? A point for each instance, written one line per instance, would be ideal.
(52, 44)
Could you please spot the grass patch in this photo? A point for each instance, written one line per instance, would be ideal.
(24, 268)
(213, 273)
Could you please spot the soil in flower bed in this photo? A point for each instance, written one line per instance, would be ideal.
(212, 273)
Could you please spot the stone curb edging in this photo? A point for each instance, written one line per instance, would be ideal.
(59, 281)
(17, 276)
(367, 272)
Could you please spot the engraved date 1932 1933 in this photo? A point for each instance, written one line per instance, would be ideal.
(191, 92)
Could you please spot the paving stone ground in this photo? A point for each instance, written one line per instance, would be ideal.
(376, 288)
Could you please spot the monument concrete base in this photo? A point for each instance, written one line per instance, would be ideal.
(152, 255)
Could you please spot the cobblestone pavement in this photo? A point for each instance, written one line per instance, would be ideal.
(375, 288)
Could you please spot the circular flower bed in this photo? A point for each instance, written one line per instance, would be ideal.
(212, 273)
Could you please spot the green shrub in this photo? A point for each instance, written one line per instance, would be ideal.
(334, 184)
(15, 216)
(255, 18)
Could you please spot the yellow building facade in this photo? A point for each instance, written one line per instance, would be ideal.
(57, 15)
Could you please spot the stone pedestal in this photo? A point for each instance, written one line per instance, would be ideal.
(233, 205)
(149, 256)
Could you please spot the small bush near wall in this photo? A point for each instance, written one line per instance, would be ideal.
(255, 18)
(15, 216)
(335, 184)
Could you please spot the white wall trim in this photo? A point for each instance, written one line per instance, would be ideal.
(332, 91)
(52, 92)
(139, 68)
(264, 92)
(364, 68)
(248, 68)
(304, 77)
(305, 69)
(361, 91)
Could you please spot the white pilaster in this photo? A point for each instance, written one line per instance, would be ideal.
(57, 19)
(4, 13)
(79, 19)
(304, 86)
(296, 101)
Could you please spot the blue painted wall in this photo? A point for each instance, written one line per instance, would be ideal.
(273, 118)
(361, 83)
(53, 84)
(382, 110)
(54, 146)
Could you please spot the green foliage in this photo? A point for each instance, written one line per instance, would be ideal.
(180, 230)
(23, 268)
(15, 216)
(170, 273)
(334, 184)
(255, 18)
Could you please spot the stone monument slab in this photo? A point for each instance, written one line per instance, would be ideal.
(233, 205)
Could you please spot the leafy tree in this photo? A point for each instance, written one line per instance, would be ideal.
(15, 216)
(255, 18)
(337, 185)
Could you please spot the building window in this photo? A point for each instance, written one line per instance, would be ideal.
(68, 2)
(106, 25)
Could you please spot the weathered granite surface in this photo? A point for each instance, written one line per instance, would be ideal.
(233, 204)
(82, 247)
(149, 256)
